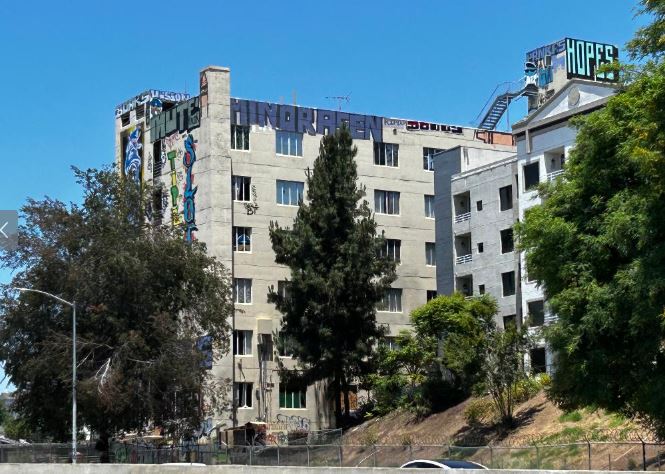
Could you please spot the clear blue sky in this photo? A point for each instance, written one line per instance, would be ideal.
(65, 68)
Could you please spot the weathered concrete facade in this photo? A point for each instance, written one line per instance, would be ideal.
(469, 183)
(271, 146)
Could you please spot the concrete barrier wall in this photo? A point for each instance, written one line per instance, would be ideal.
(159, 468)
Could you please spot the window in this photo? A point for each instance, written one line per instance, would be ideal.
(241, 188)
(386, 154)
(242, 290)
(284, 346)
(507, 243)
(239, 137)
(538, 360)
(431, 294)
(428, 158)
(429, 206)
(479, 205)
(509, 321)
(242, 342)
(481, 289)
(391, 343)
(481, 247)
(386, 202)
(506, 197)
(242, 239)
(392, 250)
(392, 301)
(292, 396)
(430, 254)
(508, 281)
(243, 394)
(531, 176)
(283, 288)
(536, 313)
(157, 154)
(265, 347)
(289, 193)
(289, 143)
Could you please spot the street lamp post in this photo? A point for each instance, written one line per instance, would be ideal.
(73, 306)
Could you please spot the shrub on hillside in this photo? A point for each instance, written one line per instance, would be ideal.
(480, 411)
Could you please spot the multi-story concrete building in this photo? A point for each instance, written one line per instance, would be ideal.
(476, 209)
(480, 194)
(227, 167)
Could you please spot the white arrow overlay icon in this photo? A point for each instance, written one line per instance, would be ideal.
(2, 230)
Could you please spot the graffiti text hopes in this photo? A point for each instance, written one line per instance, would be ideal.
(584, 57)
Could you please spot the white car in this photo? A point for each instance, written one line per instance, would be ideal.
(442, 464)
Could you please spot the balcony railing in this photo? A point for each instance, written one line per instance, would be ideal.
(552, 176)
(462, 217)
(463, 259)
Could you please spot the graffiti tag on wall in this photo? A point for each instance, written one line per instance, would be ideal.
(147, 96)
(181, 118)
(584, 57)
(292, 118)
(189, 205)
(175, 215)
(132, 162)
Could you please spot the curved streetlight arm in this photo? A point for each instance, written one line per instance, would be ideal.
(43, 293)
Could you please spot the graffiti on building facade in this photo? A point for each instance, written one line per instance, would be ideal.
(189, 204)
(132, 161)
(182, 118)
(583, 58)
(175, 215)
(148, 96)
(543, 52)
(433, 127)
(292, 118)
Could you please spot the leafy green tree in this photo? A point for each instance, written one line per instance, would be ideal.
(143, 297)
(463, 326)
(650, 39)
(337, 274)
(400, 372)
(597, 244)
(503, 368)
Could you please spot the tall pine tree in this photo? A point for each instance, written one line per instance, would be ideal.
(338, 275)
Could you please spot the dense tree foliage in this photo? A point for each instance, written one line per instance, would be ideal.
(440, 362)
(143, 297)
(597, 244)
(650, 39)
(337, 273)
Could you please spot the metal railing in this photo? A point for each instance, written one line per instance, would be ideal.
(462, 217)
(577, 456)
(464, 259)
(583, 455)
(553, 175)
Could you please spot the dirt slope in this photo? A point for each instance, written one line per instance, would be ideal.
(538, 421)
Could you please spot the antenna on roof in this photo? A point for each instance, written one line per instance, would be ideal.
(340, 98)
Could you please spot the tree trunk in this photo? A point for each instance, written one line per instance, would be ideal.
(337, 392)
(347, 405)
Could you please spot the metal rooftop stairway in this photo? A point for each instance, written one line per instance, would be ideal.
(499, 102)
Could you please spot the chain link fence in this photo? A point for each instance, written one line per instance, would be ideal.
(614, 456)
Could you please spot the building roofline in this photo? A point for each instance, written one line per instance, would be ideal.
(523, 124)
(488, 166)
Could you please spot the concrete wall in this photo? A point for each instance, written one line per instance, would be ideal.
(159, 468)
(477, 174)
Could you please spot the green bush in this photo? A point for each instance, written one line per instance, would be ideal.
(572, 416)
(480, 411)
(526, 389)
